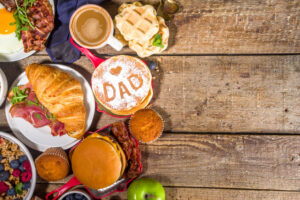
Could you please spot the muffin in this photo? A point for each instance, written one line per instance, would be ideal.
(146, 125)
(53, 164)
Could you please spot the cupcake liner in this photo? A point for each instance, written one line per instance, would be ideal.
(55, 151)
(162, 129)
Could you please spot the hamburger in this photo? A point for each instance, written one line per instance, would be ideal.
(103, 158)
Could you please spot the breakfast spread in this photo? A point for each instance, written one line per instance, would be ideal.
(30, 21)
(139, 25)
(146, 125)
(117, 155)
(122, 84)
(53, 164)
(15, 171)
(52, 97)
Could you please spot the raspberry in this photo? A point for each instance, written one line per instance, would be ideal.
(26, 176)
(3, 187)
(27, 166)
(16, 173)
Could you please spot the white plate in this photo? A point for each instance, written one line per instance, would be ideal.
(19, 55)
(27, 153)
(3, 87)
(40, 138)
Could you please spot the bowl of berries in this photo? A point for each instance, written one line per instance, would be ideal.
(17, 170)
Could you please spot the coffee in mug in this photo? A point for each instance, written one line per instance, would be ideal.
(91, 26)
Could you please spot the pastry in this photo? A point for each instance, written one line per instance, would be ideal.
(146, 125)
(144, 45)
(146, 48)
(122, 84)
(61, 94)
(137, 22)
(53, 164)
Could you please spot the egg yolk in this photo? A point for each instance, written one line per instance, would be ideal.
(5, 19)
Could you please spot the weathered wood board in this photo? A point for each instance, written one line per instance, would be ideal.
(177, 193)
(213, 93)
(223, 161)
(227, 27)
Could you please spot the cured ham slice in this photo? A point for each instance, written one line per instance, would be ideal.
(33, 112)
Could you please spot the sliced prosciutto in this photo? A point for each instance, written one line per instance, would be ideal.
(31, 110)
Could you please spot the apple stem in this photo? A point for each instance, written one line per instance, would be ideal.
(149, 196)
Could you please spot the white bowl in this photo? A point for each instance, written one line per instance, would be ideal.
(27, 153)
(76, 191)
(3, 86)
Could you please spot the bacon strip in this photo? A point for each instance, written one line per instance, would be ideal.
(41, 16)
(130, 148)
(34, 114)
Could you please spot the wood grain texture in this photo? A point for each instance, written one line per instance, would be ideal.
(228, 27)
(178, 193)
(223, 161)
(213, 93)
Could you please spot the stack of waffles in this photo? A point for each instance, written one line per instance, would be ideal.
(139, 26)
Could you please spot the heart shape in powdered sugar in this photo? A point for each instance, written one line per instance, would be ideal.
(116, 71)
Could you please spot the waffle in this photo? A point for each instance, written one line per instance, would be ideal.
(137, 22)
(145, 48)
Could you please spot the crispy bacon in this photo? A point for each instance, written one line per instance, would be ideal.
(41, 16)
(130, 148)
(10, 4)
(35, 114)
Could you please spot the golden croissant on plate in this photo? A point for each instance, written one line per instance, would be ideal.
(61, 94)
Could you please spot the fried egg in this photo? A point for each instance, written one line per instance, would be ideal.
(9, 43)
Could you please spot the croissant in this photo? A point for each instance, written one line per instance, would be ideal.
(61, 94)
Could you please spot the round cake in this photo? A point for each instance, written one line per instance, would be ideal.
(121, 83)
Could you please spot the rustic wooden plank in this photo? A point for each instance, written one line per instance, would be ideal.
(213, 93)
(177, 193)
(219, 26)
(223, 161)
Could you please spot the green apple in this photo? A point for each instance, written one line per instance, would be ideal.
(145, 189)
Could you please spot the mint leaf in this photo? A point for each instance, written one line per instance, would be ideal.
(18, 188)
(158, 41)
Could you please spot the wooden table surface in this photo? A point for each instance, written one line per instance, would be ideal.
(228, 87)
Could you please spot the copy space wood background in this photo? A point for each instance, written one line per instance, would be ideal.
(228, 88)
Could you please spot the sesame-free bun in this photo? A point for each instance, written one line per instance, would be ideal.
(98, 162)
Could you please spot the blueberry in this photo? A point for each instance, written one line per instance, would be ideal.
(14, 164)
(26, 186)
(78, 196)
(21, 168)
(70, 197)
(11, 192)
(1, 157)
(22, 158)
(1, 167)
(4, 175)
(151, 64)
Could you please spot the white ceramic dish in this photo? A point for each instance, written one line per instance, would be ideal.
(76, 191)
(3, 86)
(40, 138)
(19, 55)
(27, 153)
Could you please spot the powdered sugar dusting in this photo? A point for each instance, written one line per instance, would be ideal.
(121, 82)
